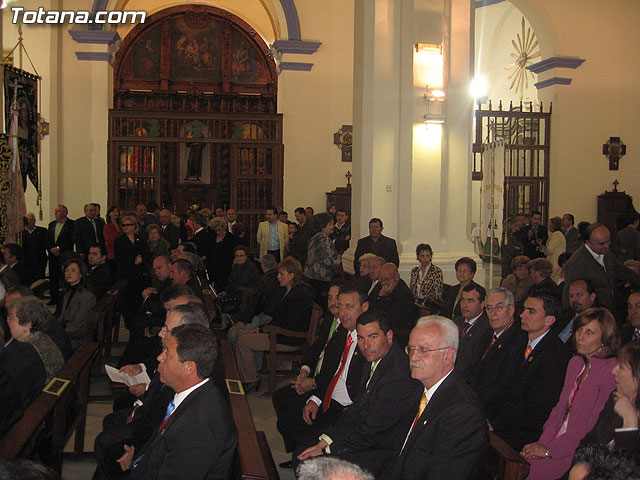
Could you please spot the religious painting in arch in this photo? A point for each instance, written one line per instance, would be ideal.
(194, 117)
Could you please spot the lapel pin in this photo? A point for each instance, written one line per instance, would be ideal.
(530, 359)
(500, 346)
(424, 423)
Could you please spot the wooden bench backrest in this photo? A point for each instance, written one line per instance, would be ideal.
(252, 464)
(503, 462)
(64, 413)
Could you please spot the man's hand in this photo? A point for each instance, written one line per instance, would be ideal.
(131, 370)
(148, 291)
(55, 251)
(126, 459)
(303, 383)
(138, 389)
(314, 451)
(309, 412)
(138, 260)
(534, 450)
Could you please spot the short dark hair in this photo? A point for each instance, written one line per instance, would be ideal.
(341, 209)
(240, 247)
(15, 250)
(606, 464)
(81, 266)
(570, 217)
(587, 282)
(473, 286)
(564, 258)
(375, 315)
(422, 247)
(282, 212)
(536, 212)
(275, 209)
(185, 265)
(353, 288)
(152, 206)
(322, 219)
(103, 249)
(300, 210)
(197, 344)
(192, 313)
(376, 220)
(310, 208)
(470, 262)
(175, 291)
(550, 303)
(189, 247)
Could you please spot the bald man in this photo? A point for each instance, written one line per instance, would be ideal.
(594, 262)
(393, 296)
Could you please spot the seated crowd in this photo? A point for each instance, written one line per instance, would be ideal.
(403, 381)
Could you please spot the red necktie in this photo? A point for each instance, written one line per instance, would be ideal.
(332, 385)
(527, 351)
(493, 340)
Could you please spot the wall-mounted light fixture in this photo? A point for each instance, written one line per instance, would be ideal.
(428, 48)
(434, 100)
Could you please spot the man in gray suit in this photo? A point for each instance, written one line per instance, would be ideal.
(626, 244)
(594, 262)
(570, 232)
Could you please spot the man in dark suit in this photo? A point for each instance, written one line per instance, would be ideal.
(474, 329)
(291, 398)
(361, 434)
(537, 385)
(197, 439)
(378, 244)
(14, 257)
(88, 230)
(534, 236)
(595, 263)
(501, 354)
(338, 380)
(632, 331)
(99, 276)
(445, 434)
(571, 236)
(306, 230)
(202, 235)
(581, 296)
(133, 426)
(168, 230)
(626, 243)
(34, 243)
(394, 297)
(183, 273)
(59, 242)
(25, 368)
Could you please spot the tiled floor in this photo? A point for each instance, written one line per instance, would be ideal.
(83, 467)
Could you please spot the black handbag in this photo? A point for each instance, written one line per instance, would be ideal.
(229, 303)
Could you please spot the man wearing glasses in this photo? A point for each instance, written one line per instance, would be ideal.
(501, 354)
(446, 435)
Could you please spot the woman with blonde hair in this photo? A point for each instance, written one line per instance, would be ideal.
(556, 244)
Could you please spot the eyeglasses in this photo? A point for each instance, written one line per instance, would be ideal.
(497, 308)
(128, 224)
(421, 350)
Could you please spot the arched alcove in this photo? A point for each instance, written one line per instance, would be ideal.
(194, 116)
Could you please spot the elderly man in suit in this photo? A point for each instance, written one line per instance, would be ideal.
(627, 241)
(394, 297)
(501, 354)
(88, 230)
(526, 405)
(197, 438)
(631, 332)
(475, 330)
(377, 243)
(34, 243)
(595, 263)
(273, 235)
(361, 434)
(445, 434)
(59, 242)
(168, 230)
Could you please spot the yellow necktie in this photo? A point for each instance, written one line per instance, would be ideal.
(423, 405)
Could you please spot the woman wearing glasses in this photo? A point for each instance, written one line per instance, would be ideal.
(130, 249)
(588, 383)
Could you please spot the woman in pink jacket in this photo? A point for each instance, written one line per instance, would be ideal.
(588, 383)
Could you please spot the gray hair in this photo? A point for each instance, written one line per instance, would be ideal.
(31, 309)
(192, 313)
(450, 333)
(508, 295)
(328, 468)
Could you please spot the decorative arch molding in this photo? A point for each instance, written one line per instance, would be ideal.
(294, 44)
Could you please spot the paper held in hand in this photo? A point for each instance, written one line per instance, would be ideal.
(117, 376)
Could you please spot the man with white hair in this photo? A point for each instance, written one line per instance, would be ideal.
(34, 244)
(446, 437)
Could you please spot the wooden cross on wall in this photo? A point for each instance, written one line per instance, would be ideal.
(614, 150)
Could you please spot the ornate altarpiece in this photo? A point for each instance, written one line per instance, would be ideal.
(194, 116)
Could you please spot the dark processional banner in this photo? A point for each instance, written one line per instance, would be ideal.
(27, 107)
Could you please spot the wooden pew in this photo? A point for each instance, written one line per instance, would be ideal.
(57, 415)
(101, 321)
(503, 462)
(250, 464)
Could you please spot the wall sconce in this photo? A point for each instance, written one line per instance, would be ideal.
(434, 100)
(428, 48)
